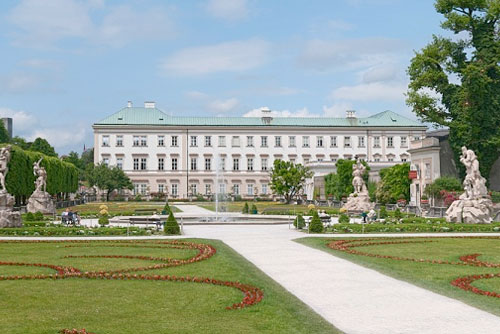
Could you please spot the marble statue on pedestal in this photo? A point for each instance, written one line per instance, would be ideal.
(40, 200)
(474, 205)
(8, 217)
(359, 200)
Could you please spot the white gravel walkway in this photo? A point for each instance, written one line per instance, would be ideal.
(353, 298)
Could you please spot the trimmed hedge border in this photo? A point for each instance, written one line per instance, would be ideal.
(432, 227)
(70, 231)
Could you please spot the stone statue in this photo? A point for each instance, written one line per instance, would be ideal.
(4, 165)
(40, 200)
(474, 205)
(359, 200)
(41, 176)
(8, 217)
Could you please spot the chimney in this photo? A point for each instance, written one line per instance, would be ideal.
(350, 113)
(129, 104)
(266, 115)
(149, 105)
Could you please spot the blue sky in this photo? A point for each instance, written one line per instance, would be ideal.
(69, 63)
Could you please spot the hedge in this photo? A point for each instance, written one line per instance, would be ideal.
(72, 231)
(62, 177)
(412, 228)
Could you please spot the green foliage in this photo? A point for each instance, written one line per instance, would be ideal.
(166, 209)
(495, 196)
(4, 134)
(29, 217)
(316, 226)
(372, 191)
(20, 182)
(245, 208)
(469, 106)
(21, 142)
(171, 225)
(104, 220)
(421, 227)
(109, 179)
(448, 183)
(70, 231)
(398, 214)
(299, 222)
(42, 145)
(344, 219)
(382, 212)
(288, 178)
(340, 184)
(254, 210)
(394, 184)
(38, 216)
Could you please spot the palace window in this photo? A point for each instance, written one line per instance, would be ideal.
(264, 164)
(235, 141)
(222, 141)
(305, 141)
(390, 141)
(347, 141)
(194, 142)
(175, 189)
(119, 163)
(361, 141)
(236, 164)
(105, 141)
(404, 141)
(208, 163)
(119, 141)
(161, 141)
(263, 141)
(208, 141)
(277, 141)
(161, 164)
(376, 141)
(291, 140)
(249, 141)
(319, 141)
(144, 164)
(250, 164)
(174, 141)
(174, 163)
(194, 163)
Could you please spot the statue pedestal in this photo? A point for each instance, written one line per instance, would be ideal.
(358, 203)
(470, 211)
(41, 201)
(8, 217)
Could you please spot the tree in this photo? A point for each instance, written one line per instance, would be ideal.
(340, 184)
(74, 159)
(394, 184)
(4, 135)
(41, 145)
(21, 142)
(288, 178)
(316, 226)
(109, 179)
(471, 106)
(171, 225)
(448, 183)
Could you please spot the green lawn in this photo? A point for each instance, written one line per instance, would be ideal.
(45, 306)
(118, 208)
(433, 276)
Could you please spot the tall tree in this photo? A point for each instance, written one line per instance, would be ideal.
(394, 184)
(288, 178)
(21, 142)
(42, 145)
(340, 184)
(465, 74)
(4, 134)
(108, 179)
(74, 159)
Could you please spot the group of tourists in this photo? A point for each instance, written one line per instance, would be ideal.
(70, 218)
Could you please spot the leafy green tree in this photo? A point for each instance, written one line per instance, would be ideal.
(87, 158)
(4, 135)
(448, 183)
(74, 159)
(288, 178)
(340, 184)
(42, 145)
(21, 142)
(465, 74)
(394, 184)
(109, 179)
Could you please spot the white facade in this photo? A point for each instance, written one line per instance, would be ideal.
(180, 159)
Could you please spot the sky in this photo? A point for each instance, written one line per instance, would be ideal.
(67, 64)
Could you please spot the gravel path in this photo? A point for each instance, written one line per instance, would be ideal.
(353, 298)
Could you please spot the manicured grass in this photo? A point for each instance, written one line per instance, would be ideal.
(118, 208)
(143, 306)
(267, 207)
(432, 276)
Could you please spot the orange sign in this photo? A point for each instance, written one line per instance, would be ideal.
(412, 174)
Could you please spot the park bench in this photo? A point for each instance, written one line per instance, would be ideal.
(144, 212)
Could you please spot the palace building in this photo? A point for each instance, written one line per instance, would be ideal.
(186, 156)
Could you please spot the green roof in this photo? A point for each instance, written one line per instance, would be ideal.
(154, 116)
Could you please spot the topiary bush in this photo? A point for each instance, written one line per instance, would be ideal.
(29, 217)
(254, 210)
(38, 215)
(104, 220)
(344, 219)
(299, 222)
(171, 225)
(382, 212)
(245, 208)
(398, 214)
(166, 209)
(316, 226)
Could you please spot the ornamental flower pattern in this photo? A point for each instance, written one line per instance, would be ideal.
(251, 294)
(464, 283)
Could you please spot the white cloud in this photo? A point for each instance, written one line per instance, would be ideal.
(223, 106)
(44, 23)
(337, 109)
(376, 91)
(304, 112)
(231, 10)
(224, 57)
(349, 54)
(385, 72)
(18, 83)
(197, 95)
(22, 120)
(61, 137)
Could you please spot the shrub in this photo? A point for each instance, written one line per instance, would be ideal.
(104, 220)
(398, 214)
(237, 198)
(166, 209)
(299, 222)
(245, 208)
(316, 226)
(383, 212)
(29, 217)
(495, 196)
(171, 225)
(38, 215)
(254, 210)
(344, 219)
(138, 198)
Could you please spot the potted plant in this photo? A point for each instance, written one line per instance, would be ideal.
(424, 199)
(402, 200)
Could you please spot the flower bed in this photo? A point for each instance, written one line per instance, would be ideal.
(464, 283)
